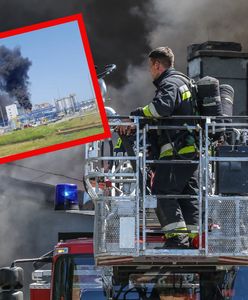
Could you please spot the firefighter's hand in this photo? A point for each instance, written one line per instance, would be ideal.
(125, 130)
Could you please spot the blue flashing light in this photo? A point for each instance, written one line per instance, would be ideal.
(66, 197)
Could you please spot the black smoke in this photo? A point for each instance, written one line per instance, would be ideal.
(123, 32)
(14, 75)
(117, 30)
(29, 225)
(178, 24)
(120, 32)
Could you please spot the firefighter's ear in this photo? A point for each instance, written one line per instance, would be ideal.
(157, 64)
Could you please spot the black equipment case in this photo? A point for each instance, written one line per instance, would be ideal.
(232, 176)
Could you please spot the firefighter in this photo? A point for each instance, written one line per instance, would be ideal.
(178, 217)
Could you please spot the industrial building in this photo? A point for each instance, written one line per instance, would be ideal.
(12, 111)
(14, 116)
(41, 105)
(37, 116)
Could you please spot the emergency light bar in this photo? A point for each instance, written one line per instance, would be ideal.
(66, 197)
(58, 251)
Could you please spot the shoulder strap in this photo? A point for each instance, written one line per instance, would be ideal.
(191, 84)
(184, 78)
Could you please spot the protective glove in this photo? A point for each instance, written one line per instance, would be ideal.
(137, 112)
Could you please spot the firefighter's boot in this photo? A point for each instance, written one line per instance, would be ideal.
(176, 240)
(179, 241)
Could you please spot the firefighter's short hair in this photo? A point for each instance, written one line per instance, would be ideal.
(164, 55)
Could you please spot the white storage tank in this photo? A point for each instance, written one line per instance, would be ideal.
(66, 104)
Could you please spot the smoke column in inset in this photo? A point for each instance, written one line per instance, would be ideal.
(14, 76)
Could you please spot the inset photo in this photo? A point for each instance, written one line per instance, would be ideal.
(49, 93)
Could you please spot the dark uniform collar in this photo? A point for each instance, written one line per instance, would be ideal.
(166, 73)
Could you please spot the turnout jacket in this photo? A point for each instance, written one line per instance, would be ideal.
(172, 98)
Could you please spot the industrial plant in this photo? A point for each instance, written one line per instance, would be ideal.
(14, 116)
(16, 109)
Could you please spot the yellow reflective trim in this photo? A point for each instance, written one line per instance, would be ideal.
(187, 149)
(118, 143)
(184, 150)
(186, 95)
(166, 153)
(193, 235)
(175, 233)
(153, 110)
(147, 112)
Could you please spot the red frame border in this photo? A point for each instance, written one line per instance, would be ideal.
(91, 65)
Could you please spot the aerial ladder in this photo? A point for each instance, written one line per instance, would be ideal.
(127, 234)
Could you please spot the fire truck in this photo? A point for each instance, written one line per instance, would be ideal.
(66, 272)
(129, 259)
(74, 276)
(127, 234)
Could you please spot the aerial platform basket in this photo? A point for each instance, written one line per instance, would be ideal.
(126, 228)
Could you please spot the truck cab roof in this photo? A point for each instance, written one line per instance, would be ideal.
(74, 246)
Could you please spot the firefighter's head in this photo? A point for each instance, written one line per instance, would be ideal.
(160, 59)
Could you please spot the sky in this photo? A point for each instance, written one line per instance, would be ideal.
(59, 65)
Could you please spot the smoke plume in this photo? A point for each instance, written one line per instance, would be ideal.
(29, 225)
(14, 75)
(4, 101)
(124, 32)
(178, 24)
(121, 32)
(117, 31)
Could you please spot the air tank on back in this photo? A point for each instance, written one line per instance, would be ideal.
(209, 99)
(227, 97)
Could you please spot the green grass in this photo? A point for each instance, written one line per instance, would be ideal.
(27, 134)
(46, 135)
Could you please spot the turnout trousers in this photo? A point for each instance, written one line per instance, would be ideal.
(176, 179)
